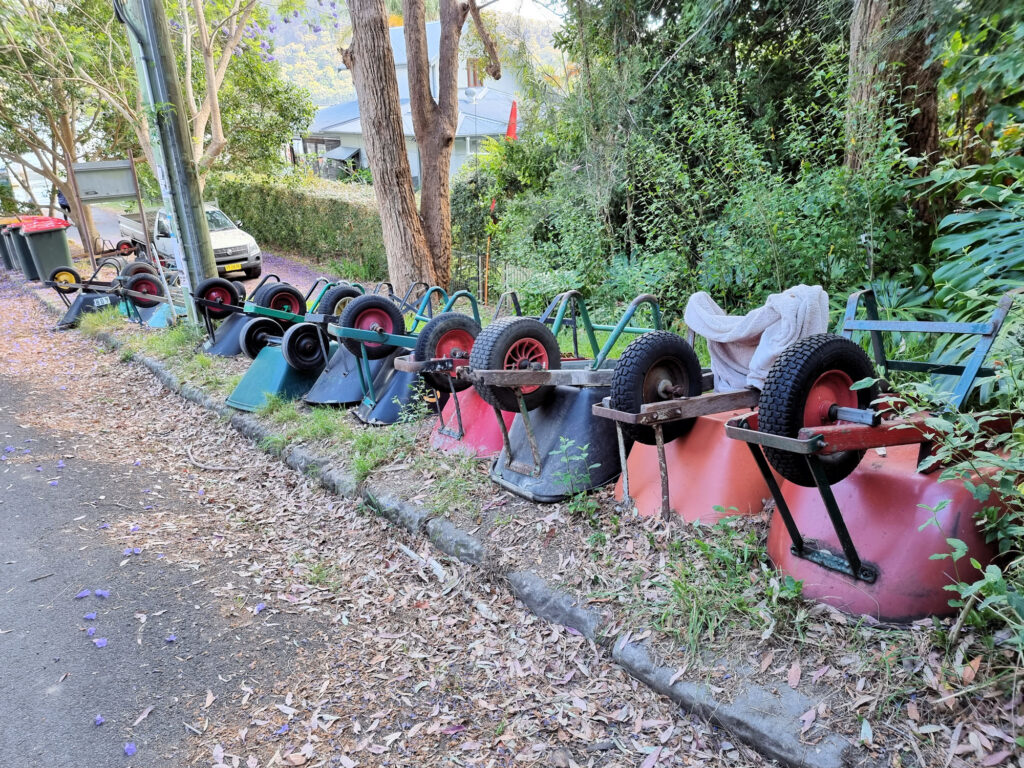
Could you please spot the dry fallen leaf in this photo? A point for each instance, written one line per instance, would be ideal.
(793, 678)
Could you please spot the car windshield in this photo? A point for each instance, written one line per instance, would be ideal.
(216, 220)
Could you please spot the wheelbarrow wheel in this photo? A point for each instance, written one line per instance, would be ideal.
(368, 313)
(304, 347)
(256, 334)
(334, 300)
(655, 367)
(65, 280)
(139, 268)
(804, 383)
(125, 247)
(240, 287)
(282, 297)
(147, 285)
(449, 335)
(515, 343)
(114, 262)
(219, 291)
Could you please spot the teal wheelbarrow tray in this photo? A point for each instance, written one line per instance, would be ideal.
(269, 375)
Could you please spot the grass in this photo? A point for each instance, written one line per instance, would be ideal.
(173, 342)
(107, 320)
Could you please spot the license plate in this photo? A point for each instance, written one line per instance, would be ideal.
(101, 302)
(232, 267)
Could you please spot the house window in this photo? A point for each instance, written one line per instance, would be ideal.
(473, 73)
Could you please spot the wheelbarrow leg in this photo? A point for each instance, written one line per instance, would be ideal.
(626, 500)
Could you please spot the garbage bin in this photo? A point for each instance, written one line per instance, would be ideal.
(22, 255)
(47, 240)
(6, 257)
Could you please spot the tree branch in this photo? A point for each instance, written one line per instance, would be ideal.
(493, 67)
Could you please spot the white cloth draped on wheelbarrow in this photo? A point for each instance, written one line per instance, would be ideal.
(744, 348)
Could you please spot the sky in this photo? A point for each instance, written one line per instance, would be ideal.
(531, 9)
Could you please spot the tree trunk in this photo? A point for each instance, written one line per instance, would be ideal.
(893, 33)
(919, 90)
(865, 57)
(372, 63)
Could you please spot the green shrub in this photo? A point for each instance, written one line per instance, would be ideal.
(321, 219)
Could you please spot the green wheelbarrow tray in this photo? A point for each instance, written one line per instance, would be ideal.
(269, 375)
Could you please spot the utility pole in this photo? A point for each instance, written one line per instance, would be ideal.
(176, 169)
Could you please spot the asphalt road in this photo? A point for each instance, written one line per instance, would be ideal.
(54, 679)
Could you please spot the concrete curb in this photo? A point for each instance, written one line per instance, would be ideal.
(765, 719)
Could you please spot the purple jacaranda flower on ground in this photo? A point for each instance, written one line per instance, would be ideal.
(60, 464)
(160, 555)
(100, 642)
(27, 450)
(104, 525)
(90, 617)
(138, 463)
(90, 631)
(282, 730)
(136, 551)
(145, 490)
(260, 607)
(39, 469)
(99, 720)
(149, 506)
(63, 387)
(83, 593)
(103, 593)
(202, 491)
(134, 528)
(170, 638)
(129, 749)
(53, 482)
(9, 449)
(3, 458)
(127, 551)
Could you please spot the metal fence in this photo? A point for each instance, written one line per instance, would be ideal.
(468, 273)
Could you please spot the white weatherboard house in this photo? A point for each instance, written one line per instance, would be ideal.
(336, 133)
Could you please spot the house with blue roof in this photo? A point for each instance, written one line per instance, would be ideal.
(335, 138)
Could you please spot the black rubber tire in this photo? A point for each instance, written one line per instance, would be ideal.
(252, 337)
(426, 347)
(139, 268)
(259, 291)
(65, 287)
(240, 287)
(251, 274)
(125, 247)
(218, 285)
(332, 297)
(358, 306)
(152, 285)
(494, 343)
(112, 261)
(281, 292)
(303, 347)
(657, 355)
(785, 393)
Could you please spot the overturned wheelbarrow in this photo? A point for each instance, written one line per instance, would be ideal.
(861, 510)
(464, 423)
(372, 328)
(555, 448)
(288, 354)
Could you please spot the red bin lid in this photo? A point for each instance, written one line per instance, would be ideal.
(21, 223)
(43, 224)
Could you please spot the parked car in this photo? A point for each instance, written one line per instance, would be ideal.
(233, 249)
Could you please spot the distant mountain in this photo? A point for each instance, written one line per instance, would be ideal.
(307, 47)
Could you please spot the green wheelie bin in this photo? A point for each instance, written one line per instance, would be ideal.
(47, 240)
(22, 255)
(5, 253)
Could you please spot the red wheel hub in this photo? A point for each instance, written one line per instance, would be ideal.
(454, 344)
(374, 320)
(283, 303)
(125, 248)
(831, 388)
(522, 356)
(218, 294)
(146, 286)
